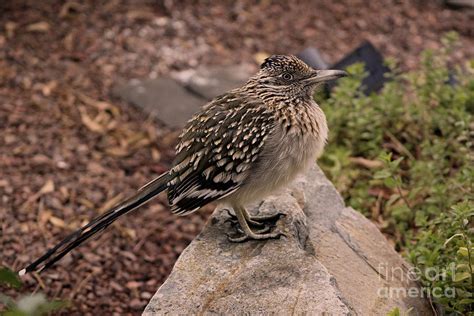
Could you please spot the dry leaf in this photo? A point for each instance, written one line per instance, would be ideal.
(85, 202)
(367, 163)
(91, 124)
(260, 57)
(137, 140)
(110, 203)
(100, 105)
(56, 221)
(155, 154)
(38, 27)
(64, 191)
(127, 232)
(47, 88)
(117, 151)
(95, 168)
(135, 15)
(44, 217)
(383, 192)
(133, 284)
(68, 41)
(69, 7)
(48, 187)
(40, 159)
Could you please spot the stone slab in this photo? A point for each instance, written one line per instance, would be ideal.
(162, 98)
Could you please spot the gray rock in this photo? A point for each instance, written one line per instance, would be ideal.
(162, 98)
(213, 81)
(332, 261)
(313, 58)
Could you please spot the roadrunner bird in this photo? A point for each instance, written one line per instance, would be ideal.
(240, 147)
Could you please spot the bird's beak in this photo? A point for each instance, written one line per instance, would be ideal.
(325, 75)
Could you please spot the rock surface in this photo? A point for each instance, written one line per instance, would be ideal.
(162, 98)
(209, 82)
(333, 261)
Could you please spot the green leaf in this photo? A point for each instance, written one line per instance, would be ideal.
(14, 312)
(462, 251)
(396, 162)
(382, 174)
(462, 266)
(6, 300)
(390, 182)
(461, 276)
(48, 307)
(394, 312)
(9, 277)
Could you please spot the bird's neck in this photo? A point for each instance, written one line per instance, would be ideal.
(277, 96)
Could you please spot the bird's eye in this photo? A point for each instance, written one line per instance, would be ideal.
(287, 76)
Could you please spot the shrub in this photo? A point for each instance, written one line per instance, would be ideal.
(27, 305)
(405, 158)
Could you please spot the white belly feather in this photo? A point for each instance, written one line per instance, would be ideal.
(286, 155)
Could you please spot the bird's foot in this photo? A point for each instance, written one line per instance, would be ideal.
(266, 218)
(263, 230)
(232, 217)
(234, 220)
(256, 236)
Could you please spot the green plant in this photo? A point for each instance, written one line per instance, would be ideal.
(405, 158)
(448, 267)
(27, 305)
(396, 312)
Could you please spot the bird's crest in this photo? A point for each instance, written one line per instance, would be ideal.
(284, 63)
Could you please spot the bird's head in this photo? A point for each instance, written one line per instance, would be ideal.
(288, 76)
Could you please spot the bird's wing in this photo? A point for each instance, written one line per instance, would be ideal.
(216, 150)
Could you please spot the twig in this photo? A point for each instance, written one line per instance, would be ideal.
(403, 198)
(40, 281)
(81, 284)
(432, 306)
(400, 147)
(367, 163)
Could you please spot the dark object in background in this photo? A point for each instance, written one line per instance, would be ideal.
(374, 66)
(365, 53)
(313, 58)
(459, 4)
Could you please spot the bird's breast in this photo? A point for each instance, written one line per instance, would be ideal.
(297, 141)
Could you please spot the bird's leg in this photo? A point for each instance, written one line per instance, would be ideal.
(233, 218)
(265, 229)
(250, 220)
(248, 233)
(264, 218)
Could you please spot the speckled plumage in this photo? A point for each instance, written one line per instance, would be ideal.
(240, 147)
(216, 151)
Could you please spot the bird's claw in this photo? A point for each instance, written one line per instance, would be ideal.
(255, 236)
(266, 218)
(260, 231)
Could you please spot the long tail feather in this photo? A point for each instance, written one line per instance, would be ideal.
(97, 225)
